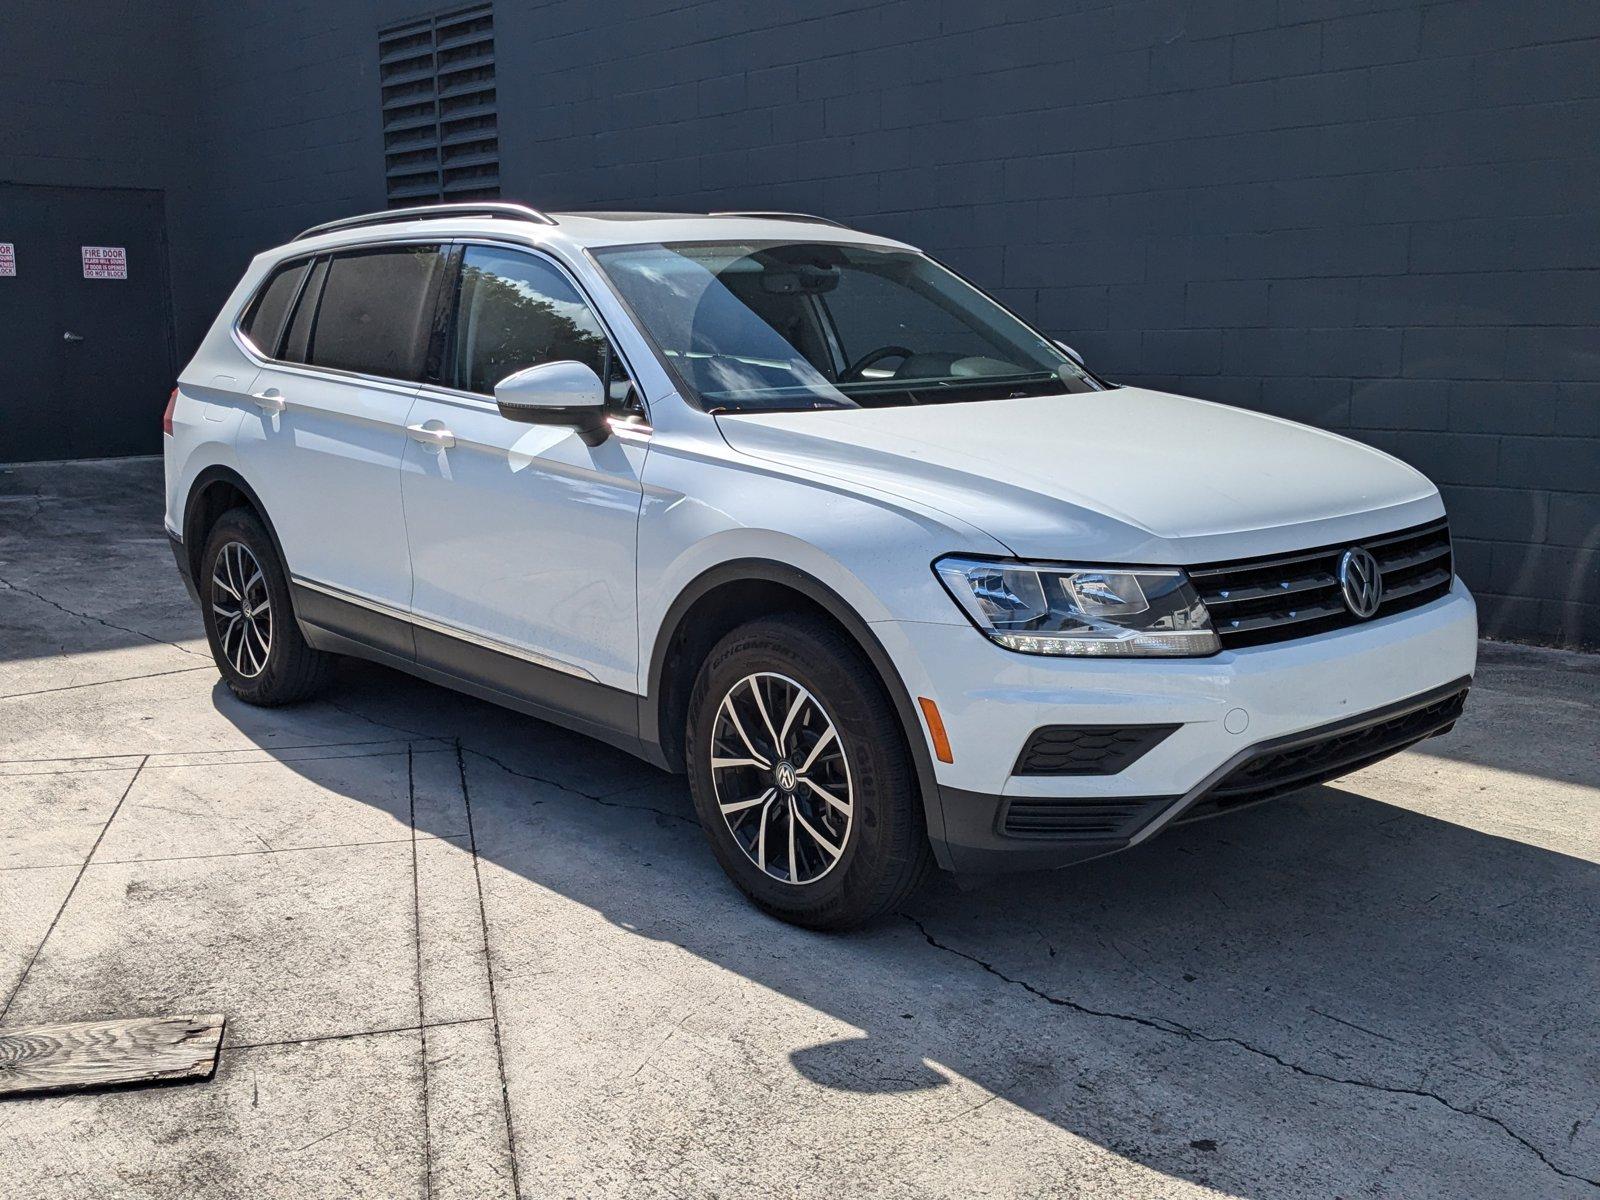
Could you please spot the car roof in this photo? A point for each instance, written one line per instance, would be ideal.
(579, 230)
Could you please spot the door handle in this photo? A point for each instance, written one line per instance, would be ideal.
(69, 336)
(270, 400)
(432, 435)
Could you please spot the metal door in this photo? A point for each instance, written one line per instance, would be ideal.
(87, 349)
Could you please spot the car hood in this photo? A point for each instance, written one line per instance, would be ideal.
(1124, 475)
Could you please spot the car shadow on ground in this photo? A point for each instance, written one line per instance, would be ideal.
(1292, 984)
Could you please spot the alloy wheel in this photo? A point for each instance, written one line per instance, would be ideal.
(243, 609)
(781, 778)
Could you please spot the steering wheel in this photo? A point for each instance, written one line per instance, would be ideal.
(856, 369)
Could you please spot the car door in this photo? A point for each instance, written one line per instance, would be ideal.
(523, 538)
(325, 437)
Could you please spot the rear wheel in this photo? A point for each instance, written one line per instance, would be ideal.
(801, 776)
(244, 597)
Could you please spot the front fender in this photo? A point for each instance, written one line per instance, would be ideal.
(706, 504)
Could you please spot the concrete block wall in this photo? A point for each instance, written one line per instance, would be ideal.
(1377, 216)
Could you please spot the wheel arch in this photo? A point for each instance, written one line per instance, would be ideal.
(214, 491)
(726, 596)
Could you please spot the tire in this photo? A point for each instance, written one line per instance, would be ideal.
(850, 862)
(262, 655)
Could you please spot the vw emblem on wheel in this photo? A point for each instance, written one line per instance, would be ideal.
(1361, 581)
(785, 778)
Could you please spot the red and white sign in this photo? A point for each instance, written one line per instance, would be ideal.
(105, 262)
(8, 258)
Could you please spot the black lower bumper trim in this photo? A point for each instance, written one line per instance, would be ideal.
(1302, 760)
(975, 842)
(1091, 817)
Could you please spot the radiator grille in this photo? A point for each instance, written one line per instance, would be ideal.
(440, 125)
(1276, 598)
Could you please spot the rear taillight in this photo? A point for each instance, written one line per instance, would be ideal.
(166, 417)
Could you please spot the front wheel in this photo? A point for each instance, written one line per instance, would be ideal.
(801, 776)
(244, 595)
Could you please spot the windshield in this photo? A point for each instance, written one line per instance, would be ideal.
(784, 326)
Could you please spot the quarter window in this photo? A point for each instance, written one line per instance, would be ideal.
(299, 337)
(516, 311)
(375, 315)
(263, 323)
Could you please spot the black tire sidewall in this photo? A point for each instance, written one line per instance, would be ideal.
(239, 525)
(887, 804)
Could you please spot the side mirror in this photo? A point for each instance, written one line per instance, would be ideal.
(556, 393)
(1070, 353)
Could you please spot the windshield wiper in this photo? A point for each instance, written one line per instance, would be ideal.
(949, 382)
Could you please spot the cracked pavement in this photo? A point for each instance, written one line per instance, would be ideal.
(463, 953)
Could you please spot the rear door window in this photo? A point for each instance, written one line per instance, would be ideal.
(375, 313)
(263, 321)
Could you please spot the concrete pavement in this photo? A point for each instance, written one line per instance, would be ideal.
(463, 953)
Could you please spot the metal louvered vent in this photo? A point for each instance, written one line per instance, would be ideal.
(440, 129)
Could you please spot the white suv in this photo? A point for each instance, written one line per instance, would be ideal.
(800, 512)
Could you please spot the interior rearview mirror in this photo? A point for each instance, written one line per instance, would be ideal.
(1070, 353)
(805, 279)
(556, 393)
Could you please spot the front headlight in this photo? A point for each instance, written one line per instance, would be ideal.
(1040, 608)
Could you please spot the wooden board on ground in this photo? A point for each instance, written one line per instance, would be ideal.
(89, 1054)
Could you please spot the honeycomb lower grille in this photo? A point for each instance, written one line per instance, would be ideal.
(1087, 749)
(1260, 600)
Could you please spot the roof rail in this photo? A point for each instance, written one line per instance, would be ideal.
(517, 212)
(784, 216)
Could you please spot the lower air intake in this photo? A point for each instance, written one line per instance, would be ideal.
(1113, 818)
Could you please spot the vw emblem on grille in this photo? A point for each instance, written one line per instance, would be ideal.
(1361, 582)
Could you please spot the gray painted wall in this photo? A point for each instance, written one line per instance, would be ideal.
(1377, 216)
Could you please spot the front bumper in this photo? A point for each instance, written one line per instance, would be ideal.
(975, 825)
(1230, 710)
